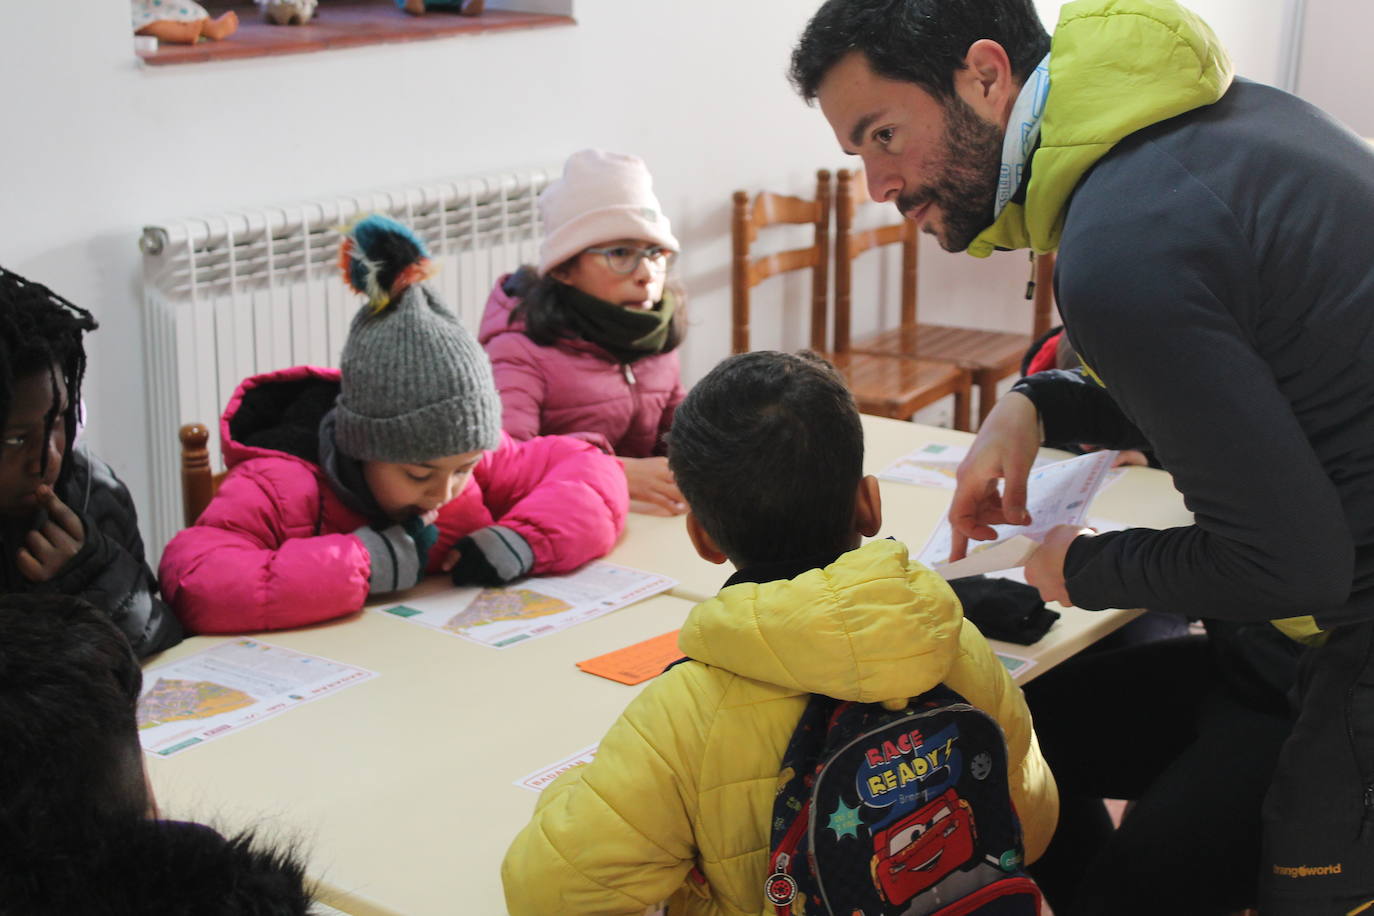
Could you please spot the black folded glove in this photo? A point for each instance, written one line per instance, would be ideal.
(1003, 609)
(493, 555)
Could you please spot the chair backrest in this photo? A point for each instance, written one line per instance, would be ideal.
(849, 244)
(198, 484)
(760, 211)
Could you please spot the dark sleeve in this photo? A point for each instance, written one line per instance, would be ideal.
(110, 570)
(1159, 289)
(1076, 410)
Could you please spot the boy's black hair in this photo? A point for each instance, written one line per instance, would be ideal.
(768, 452)
(545, 323)
(69, 686)
(916, 41)
(40, 331)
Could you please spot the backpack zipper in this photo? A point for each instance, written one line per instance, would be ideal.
(780, 888)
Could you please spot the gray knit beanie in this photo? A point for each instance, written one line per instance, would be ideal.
(416, 384)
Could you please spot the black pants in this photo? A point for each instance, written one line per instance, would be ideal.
(1319, 814)
(1164, 725)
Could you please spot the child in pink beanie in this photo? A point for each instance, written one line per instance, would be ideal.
(584, 343)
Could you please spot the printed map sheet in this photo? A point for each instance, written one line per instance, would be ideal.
(933, 465)
(234, 684)
(1056, 494)
(533, 607)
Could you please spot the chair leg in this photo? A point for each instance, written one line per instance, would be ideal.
(987, 394)
(962, 397)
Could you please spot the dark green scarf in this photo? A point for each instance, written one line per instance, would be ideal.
(626, 333)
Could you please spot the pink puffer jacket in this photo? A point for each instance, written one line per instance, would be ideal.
(576, 388)
(274, 549)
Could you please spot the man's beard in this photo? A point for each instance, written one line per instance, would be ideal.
(966, 187)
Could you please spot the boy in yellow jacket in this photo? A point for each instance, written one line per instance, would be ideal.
(768, 452)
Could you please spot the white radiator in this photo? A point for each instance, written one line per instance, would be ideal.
(242, 292)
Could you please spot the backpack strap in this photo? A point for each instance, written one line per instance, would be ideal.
(792, 804)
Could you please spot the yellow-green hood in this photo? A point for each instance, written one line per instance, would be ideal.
(1116, 66)
(873, 626)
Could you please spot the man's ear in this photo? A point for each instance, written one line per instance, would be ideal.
(703, 542)
(868, 507)
(986, 82)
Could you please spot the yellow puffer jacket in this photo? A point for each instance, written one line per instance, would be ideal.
(679, 798)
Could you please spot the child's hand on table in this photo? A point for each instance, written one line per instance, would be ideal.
(652, 488)
(1045, 568)
(52, 544)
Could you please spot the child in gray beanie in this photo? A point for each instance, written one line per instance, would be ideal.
(348, 483)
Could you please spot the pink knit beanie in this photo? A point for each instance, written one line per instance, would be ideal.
(601, 197)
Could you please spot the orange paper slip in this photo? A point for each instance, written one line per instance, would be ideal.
(636, 664)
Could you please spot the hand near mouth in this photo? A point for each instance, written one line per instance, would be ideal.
(52, 544)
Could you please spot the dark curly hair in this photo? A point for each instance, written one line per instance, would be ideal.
(916, 41)
(42, 332)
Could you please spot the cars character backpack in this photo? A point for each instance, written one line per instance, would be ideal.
(885, 812)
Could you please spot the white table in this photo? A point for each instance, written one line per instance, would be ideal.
(1142, 497)
(402, 786)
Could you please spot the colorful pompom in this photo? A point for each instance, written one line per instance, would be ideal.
(381, 257)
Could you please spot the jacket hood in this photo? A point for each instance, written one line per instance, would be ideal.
(873, 626)
(496, 318)
(1116, 67)
(278, 413)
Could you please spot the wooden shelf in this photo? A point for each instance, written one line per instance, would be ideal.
(340, 24)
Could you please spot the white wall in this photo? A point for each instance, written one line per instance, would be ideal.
(1335, 70)
(96, 146)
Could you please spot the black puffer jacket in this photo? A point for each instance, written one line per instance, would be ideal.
(110, 571)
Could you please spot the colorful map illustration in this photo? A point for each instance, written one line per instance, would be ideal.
(172, 700)
(531, 608)
(932, 465)
(496, 604)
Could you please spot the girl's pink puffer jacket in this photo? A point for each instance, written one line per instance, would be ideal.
(576, 388)
(274, 549)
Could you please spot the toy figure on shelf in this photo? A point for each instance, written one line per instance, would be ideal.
(181, 21)
(461, 7)
(288, 12)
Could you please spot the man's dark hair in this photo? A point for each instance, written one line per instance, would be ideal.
(916, 41)
(768, 452)
(42, 332)
(545, 320)
(69, 686)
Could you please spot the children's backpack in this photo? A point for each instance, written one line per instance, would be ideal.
(908, 812)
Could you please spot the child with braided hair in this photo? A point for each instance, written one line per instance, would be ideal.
(67, 523)
(355, 482)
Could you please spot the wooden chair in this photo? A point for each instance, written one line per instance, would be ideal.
(198, 484)
(889, 386)
(989, 355)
